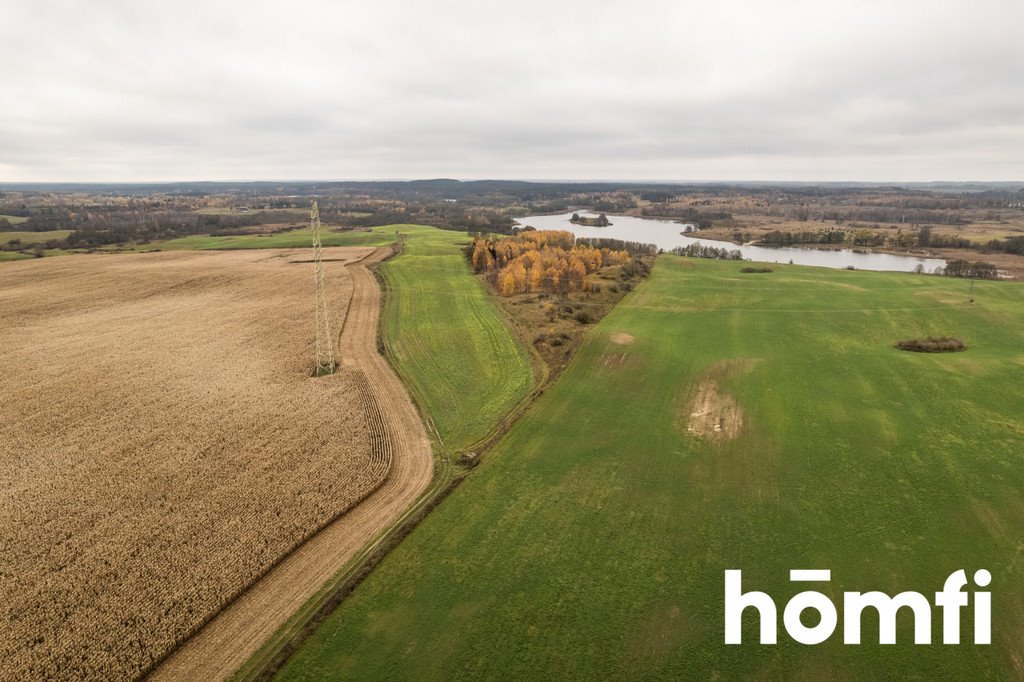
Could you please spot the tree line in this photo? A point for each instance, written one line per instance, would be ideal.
(704, 220)
(1014, 245)
(863, 236)
(923, 237)
(697, 250)
(632, 248)
(964, 268)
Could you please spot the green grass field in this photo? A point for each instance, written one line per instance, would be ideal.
(457, 353)
(591, 542)
(33, 237)
(14, 219)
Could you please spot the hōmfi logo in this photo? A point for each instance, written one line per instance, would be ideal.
(951, 599)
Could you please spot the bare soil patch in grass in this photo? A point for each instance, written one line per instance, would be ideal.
(710, 412)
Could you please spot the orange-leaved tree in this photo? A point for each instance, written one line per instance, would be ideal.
(548, 261)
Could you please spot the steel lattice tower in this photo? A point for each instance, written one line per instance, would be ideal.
(324, 340)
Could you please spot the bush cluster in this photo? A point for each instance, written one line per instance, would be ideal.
(932, 344)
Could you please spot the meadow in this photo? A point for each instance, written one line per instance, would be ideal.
(592, 540)
(455, 351)
(33, 237)
(28, 240)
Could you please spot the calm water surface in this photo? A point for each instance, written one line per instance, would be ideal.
(666, 235)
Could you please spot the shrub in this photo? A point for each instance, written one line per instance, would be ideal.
(750, 269)
(583, 317)
(932, 344)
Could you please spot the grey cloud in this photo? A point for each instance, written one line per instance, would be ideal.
(871, 90)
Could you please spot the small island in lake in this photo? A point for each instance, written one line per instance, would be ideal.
(599, 221)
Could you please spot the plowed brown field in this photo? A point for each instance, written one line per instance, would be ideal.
(162, 447)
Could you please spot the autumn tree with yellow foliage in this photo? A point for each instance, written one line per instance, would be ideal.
(540, 261)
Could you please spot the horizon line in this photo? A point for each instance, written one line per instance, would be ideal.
(508, 179)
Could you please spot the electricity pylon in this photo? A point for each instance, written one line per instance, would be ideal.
(324, 340)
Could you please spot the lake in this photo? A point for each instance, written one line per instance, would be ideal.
(666, 235)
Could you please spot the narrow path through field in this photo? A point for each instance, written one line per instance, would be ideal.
(225, 643)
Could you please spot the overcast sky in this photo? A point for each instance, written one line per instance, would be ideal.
(675, 90)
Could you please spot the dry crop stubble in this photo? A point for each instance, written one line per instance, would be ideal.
(397, 436)
(163, 445)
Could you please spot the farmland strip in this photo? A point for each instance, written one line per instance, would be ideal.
(239, 630)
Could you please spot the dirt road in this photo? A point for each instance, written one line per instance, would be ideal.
(225, 643)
